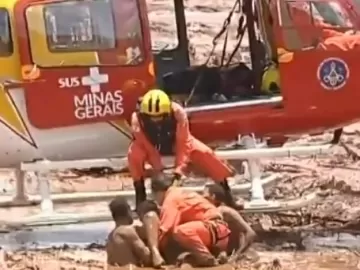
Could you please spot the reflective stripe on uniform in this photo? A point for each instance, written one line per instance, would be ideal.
(212, 226)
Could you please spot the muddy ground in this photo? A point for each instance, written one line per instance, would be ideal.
(284, 238)
(338, 173)
(94, 259)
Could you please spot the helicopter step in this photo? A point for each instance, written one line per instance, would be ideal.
(252, 154)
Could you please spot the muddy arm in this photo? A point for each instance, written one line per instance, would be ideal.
(138, 247)
(247, 235)
(183, 142)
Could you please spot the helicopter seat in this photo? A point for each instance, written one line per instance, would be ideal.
(181, 83)
(237, 82)
(212, 84)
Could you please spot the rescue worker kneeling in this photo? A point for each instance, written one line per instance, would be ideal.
(160, 127)
(194, 222)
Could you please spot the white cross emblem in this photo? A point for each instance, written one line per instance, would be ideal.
(94, 80)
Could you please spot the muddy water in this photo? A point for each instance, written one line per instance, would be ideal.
(77, 235)
(332, 252)
(81, 235)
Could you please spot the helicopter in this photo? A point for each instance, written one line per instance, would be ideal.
(72, 73)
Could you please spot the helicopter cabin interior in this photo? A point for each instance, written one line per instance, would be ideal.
(238, 83)
(231, 83)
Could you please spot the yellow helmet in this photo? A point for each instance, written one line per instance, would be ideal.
(270, 79)
(155, 103)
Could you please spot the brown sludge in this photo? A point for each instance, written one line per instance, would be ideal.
(279, 234)
(94, 260)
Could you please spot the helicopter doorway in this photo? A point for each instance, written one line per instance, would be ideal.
(224, 78)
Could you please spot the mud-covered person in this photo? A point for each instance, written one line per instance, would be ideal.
(124, 244)
(242, 235)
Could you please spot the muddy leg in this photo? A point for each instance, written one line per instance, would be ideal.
(151, 224)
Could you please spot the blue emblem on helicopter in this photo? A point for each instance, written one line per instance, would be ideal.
(333, 73)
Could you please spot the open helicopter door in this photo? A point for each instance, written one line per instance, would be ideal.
(172, 57)
(319, 60)
(82, 61)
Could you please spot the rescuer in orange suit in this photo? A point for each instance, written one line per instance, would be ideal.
(160, 127)
(302, 16)
(191, 220)
(314, 29)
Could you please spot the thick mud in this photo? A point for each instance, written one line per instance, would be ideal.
(319, 236)
(94, 258)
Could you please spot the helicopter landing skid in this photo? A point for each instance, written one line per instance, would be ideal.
(80, 217)
(256, 186)
(265, 206)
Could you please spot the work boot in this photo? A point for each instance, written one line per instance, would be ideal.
(229, 197)
(140, 192)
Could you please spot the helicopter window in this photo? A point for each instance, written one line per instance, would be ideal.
(313, 23)
(79, 26)
(85, 33)
(332, 14)
(163, 29)
(356, 4)
(6, 44)
(318, 13)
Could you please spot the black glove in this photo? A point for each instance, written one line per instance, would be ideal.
(229, 197)
(140, 192)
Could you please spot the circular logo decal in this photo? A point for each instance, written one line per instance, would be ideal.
(333, 73)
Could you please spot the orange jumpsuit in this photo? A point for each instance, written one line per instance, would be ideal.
(312, 29)
(330, 38)
(187, 148)
(344, 43)
(193, 221)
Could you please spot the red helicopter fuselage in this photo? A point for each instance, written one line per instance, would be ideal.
(319, 87)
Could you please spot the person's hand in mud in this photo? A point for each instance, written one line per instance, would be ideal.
(222, 258)
(235, 258)
(158, 262)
